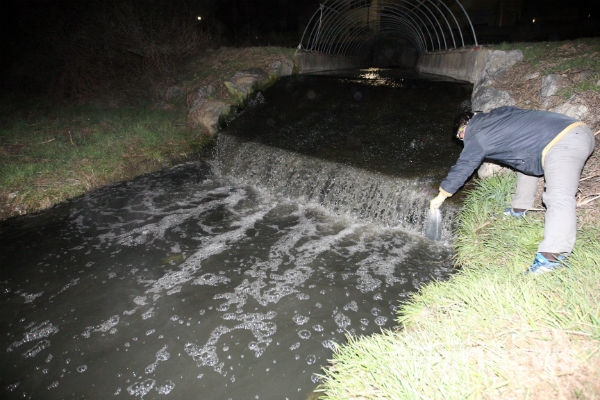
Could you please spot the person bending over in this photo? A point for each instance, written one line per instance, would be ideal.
(535, 143)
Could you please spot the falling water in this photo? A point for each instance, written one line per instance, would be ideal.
(231, 278)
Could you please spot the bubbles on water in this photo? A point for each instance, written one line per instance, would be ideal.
(300, 319)
(141, 389)
(150, 368)
(206, 355)
(165, 388)
(42, 330)
(82, 368)
(367, 283)
(341, 320)
(140, 300)
(329, 344)
(148, 313)
(30, 297)
(161, 356)
(38, 348)
(211, 279)
(352, 306)
(258, 347)
(304, 334)
(303, 296)
(315, 379)
(13, 386)
(108, 326)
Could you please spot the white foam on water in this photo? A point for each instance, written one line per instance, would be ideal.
(211, 279)
(141, 388)
(257, 281)
(41, 331)
(160, 356)
(146, 233)
(30, 297)
(37, 348)
(211, 246)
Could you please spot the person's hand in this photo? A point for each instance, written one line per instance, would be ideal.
(437, 201)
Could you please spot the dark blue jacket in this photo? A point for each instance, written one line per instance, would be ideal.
(509, 136)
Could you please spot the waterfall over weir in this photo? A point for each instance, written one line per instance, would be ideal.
(343, 189)
(373, 144)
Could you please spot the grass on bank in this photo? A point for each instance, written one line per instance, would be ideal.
(490, 331)
(48, 155)
(52, 153)
(576, 60)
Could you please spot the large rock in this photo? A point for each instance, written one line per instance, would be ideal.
(244, 86)
(281, 68)
(576, 108)
(245, 82)
(200, 97)
(550, 86)
(486, 98)
(497, 61)
(208, 115)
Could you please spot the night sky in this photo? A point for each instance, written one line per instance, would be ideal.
(41, 36)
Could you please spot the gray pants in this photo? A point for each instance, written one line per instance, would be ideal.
(562, 171)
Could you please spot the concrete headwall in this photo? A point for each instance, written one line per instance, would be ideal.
(381, 55)
(315, 62)
(463, 64)
(469, 65)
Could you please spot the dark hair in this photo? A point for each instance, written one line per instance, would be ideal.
(463, 119)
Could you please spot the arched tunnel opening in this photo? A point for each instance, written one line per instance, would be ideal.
(387, 33)
(385, 50)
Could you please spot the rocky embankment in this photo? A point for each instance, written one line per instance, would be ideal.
(207, 108)
(506, 79)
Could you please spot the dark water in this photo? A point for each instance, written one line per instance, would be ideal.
(211, 280)
(387, 121)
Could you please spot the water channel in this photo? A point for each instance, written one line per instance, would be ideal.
(234, 277)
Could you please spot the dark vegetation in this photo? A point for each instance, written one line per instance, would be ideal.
(98, 49)
(120, 49)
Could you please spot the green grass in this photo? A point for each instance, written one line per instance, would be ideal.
(490, 331)
(50, 154)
